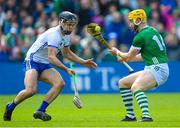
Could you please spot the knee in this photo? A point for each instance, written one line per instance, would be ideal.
(122, 83)
(59, 85)
(31, 91)
(135, 88)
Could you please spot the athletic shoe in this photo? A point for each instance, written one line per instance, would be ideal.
(126, 118)
(7, 114)
(41, 115)
(146, 119)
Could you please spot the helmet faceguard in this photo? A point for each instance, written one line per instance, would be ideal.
(68, 21)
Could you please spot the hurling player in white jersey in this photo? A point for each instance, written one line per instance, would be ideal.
(37, 65)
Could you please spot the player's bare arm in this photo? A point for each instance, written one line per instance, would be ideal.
(55, 61)
(132, 55)
(137, 58)
(73, 57)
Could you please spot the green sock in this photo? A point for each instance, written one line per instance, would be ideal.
(143, 102)
(128, 101)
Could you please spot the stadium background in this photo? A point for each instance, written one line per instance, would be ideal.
(21, 21)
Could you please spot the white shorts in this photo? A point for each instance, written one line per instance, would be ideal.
(160, 72)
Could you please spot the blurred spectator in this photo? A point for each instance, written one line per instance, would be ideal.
(177, 19)
(75, 44)
(2, 16)
(169, 3)
(116, 25)
(4, 55)
(26, 38)
(8, 21)
(39, 8)
(125, 7)
(21, 21)
(103, 5)
(10, 5)
(53, 21)
(85, 13)
(173, 45)
(108, 18)
(90, 47)
(40, 22)
(142, 4)
(167, 17)
(12, 44)
(105, 54)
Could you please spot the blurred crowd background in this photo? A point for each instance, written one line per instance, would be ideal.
(21, 21)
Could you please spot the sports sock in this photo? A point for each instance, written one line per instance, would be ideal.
(128, 101)
(11, 106)
(43, 106)
(143, 102)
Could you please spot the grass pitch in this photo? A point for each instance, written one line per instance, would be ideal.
(100, 110)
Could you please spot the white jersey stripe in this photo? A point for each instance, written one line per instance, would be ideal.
(52, 46)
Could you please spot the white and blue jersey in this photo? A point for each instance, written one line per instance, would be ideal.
(37, 55)
(50, 38)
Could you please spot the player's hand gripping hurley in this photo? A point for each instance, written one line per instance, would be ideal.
(95, 30)
(76, 100)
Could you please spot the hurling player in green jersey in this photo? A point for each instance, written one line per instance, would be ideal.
(147, 46)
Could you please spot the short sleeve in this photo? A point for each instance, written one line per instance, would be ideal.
(138, 42)
(52, 41)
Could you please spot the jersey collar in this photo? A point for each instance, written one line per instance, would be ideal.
(144, 27)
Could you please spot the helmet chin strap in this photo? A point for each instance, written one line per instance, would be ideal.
(136, 27)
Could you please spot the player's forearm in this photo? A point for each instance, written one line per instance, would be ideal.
(55, 61)
(73, 57)
(137, 58)
(123, 55)
(131, 56)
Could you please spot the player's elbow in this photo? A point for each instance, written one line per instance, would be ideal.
(51, 58)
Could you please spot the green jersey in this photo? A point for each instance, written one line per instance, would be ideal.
(151, 46)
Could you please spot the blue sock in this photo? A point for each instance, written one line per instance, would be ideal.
(43, 106)
(11, 106)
